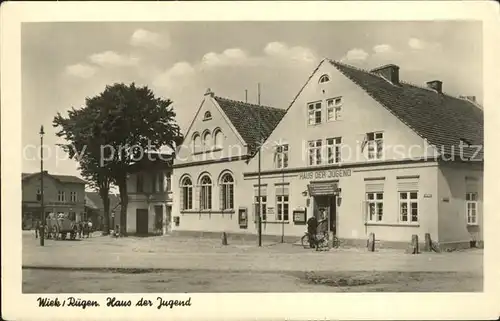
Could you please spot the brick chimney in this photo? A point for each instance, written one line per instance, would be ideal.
(437, 85)
(389, 72)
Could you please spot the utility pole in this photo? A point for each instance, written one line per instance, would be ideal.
(246, 96)
(283, 194)
(42, 225)
(259, 187)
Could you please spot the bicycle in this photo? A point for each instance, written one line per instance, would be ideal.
(322, 241)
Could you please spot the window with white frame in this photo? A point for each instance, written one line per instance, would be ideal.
(282, 213)
(314, 113)
(205, 193)
(196, 143)
(61, 196)
(334, 109)
(207, 141)
(323, 79)
(169, 182)
(314, 152)
(408, 207)
(39, 195)
(375, 145)
(227, 192)
(334, 147)
(471, 208)
(281, 156)
(72, 196)
(263, 206)
(187, 194)
(219, 139)
(375, 204)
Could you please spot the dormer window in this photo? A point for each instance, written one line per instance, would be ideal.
(323, 79)
(207, 116)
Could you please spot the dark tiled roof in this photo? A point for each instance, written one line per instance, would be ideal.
(245, 118)
(96, 201)
(441, 119)
(61, 178)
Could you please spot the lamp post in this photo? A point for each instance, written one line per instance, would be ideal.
(42, 226)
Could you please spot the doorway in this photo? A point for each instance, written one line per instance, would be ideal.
(141, 221)
(159, 219)
(328, 205)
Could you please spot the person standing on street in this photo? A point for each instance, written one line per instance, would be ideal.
(89, 224)
(37, 228)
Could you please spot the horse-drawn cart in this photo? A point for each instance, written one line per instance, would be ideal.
(59, 226)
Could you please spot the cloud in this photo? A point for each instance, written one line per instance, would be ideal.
(416, 43)
(229, 57)
(81, 70)
(356, 54)
(111, 58)
(145, 38)
(179, 74)
(297, 53)
(382, 48)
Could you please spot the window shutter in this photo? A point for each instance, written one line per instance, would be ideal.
(364, 211)
(374, 187)
(408, 184)
(181, 200)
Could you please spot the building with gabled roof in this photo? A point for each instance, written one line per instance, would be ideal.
(364, 149)
(62, 194)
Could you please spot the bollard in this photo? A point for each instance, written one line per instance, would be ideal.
(428, 243)
(371, 242)
(224, 238)
(414, 244)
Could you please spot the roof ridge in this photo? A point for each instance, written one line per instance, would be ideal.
(401, 81)
(250, 104)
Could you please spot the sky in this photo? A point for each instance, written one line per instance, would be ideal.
(63, 63)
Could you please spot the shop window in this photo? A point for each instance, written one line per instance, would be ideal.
(408, 207)
(281, 156)
(375, 206)
(334, 147)
(323, 79)
(187, 194)
(314, 152)
(314, 113)
(471, 208)
(72, 216)
(205, 193)
(334, 109)
(227, 192)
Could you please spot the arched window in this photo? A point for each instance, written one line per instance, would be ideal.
(227, 192)
(219, 139)
(207, 116)
(187, 193)
(207, 140)
(205, 193)
(196, 143)
(323, 79)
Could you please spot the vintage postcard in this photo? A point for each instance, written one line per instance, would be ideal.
(249, 160)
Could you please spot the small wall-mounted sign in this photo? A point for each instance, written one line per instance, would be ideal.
(270, 210)
(446, 199)
(243, 217)
(299, 216)
(427, 195)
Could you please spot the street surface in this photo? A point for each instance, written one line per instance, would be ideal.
(188, 264)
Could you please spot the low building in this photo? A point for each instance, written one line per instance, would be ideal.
(374, 153)
(149, 196)
(94, 209)
(62, 194)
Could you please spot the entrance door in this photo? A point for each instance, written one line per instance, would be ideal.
(141, 223)
(326, 204)
(158, 219)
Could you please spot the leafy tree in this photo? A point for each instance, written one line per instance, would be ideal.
(78, 129)
(129, 123)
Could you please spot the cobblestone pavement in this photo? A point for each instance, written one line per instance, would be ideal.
(174, 252)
